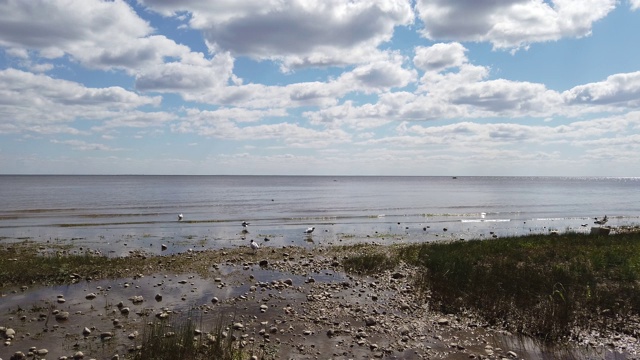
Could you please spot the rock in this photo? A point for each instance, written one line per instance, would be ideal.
(9, 333)
(62, 315)
(512, 354)
(163, 247)
(238, 326)
(398, 275)
(263, 263)
(370, 321)
(86, 331)
(18, 355)
(136, 299)
(443, 321)
(158, 297)
(42, 352)
(78, 355)
(215, 300)
(91, 296)
(596, 230)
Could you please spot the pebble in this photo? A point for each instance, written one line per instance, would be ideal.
(62, 315)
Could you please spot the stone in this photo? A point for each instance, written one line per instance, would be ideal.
(370, 321)
(62, 315)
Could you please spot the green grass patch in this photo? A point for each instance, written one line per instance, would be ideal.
(369, 263)
(540, 285)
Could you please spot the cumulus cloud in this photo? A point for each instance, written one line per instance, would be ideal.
(218, 124)
(107, 35)
(511, 23)
(616, 90)
(440, 56)
(295, 32)
(31, 101)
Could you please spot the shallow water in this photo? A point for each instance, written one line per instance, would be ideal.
(116, 214)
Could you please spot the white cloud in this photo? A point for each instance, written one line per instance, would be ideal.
(80, 145)
(223, 124)
(194, 73)
(617, 90)
(511, 23)
(296, 32)
(635, 4)
(440, 56)
(36, 102)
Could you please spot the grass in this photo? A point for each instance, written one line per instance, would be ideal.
(546, 286)
(178, 339)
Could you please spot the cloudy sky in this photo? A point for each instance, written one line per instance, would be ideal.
(320, 87)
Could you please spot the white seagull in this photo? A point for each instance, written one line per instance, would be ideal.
(309, 230)
(254, 245)
(180, 217)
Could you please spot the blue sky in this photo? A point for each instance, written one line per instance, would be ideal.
(327, 87)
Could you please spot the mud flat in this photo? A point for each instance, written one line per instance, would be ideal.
(277, 302)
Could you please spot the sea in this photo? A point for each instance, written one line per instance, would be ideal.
(116, 214)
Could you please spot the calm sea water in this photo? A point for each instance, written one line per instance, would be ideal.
(118, 213)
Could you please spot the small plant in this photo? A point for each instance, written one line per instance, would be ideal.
(366, 264)
(178, 339)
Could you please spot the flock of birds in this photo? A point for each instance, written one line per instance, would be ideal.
(253, 244)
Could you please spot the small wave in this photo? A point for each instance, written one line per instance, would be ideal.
(484, 220)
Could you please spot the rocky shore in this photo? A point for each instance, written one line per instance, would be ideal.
(277, 303)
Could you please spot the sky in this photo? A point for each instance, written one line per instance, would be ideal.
(326, 87)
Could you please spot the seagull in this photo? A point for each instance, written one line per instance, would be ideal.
(180, 217)
(601, 221)
(254, 245)
(309, 230)
(245, 224)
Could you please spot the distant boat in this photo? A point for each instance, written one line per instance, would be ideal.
(455, 177)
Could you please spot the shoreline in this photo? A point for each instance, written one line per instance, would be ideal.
(313, 305)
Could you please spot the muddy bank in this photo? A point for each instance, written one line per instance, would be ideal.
(279, 302)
